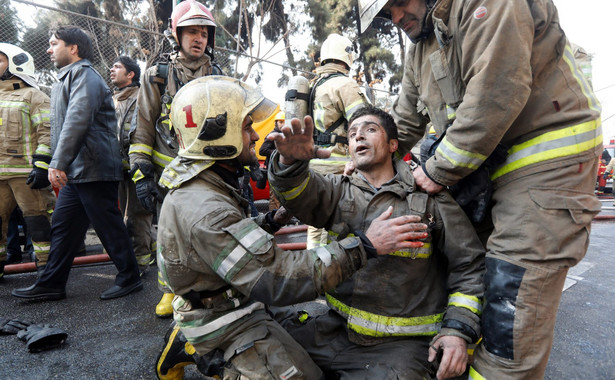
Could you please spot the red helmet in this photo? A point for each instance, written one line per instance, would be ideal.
(191, 12)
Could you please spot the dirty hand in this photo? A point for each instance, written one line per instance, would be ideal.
(297, 144)
(349, 168)
(454, 357)
(390, 235)
(425, 182)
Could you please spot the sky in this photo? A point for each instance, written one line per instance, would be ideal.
(587, 24)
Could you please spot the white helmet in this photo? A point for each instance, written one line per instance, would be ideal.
(208, 112)
(370, 9)
(21, 63)
(336, 47)
(191, 12)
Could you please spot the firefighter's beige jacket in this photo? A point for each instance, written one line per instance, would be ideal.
(483, 77)
(24, 127)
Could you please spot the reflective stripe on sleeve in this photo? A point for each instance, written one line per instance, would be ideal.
(592, 101)
(371, 324)
(234, 256)
(296, 191)
(140, 148)
(471, 303)
(459, 157)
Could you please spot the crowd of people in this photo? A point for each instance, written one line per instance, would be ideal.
(418, 261)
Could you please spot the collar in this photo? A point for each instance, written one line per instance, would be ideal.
(12, 84)
(66, 69)
(331, 68)
(124, 93)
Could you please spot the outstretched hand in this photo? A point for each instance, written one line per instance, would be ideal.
(295, 143)
(390, 235)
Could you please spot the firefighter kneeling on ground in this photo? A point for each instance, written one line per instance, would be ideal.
(223, 266)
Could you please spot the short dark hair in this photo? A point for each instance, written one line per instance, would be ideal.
(131, 66)
(386, 120)
(72, 35)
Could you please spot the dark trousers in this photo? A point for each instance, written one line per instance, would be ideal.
(77, 206)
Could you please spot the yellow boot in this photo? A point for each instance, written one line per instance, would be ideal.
(164, 309)
(176, 354)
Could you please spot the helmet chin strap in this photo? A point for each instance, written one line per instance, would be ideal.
(6, 75)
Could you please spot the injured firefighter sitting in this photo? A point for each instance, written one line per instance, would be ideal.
(405, 312)
(225, 267)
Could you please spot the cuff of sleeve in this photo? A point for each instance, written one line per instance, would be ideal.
(424, 166)
(452, 332)
(275, 227)
(367, 244)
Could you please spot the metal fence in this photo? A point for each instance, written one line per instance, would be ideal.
(111, 39)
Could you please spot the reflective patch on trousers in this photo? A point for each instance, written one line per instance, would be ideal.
(502, 281)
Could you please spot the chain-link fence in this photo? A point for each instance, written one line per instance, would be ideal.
(112, 39)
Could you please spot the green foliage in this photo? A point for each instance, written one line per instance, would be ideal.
(9, 23)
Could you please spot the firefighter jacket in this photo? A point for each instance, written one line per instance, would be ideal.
(222, 265)
(424, 291)
(497, 72)
(125, 101)
(24, 127)
(153, 107)
(83, 126)
(336, 97)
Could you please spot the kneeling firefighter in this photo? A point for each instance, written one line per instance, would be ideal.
(224, 266)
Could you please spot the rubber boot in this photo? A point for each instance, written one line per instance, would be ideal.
(164, 309)
(175, 355)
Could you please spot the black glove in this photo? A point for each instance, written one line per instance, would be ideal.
(12, 326)
(40, 338)
(38, 178)
(142, 174)
(605, 176)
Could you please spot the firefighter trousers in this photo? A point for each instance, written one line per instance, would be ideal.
(36, 206)
(541, 228)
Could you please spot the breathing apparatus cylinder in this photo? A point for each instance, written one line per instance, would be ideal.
(297, 99)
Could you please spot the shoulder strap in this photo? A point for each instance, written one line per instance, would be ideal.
(161, 77)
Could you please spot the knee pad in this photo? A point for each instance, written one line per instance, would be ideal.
(502, 281)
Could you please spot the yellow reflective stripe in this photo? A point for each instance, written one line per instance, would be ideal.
(451, 113)
(42, 165)
(140, 148)
(560, 143)
(43, 150)
(296, 191)
(475, 375)
(568, 57)
(353, 107)
(459, 157)
(162, 279)
(371, 324)
(423, 252)
(319, 117)
(471, 303)
(137, 176)
(161, 159)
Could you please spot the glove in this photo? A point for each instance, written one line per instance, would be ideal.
(605, 176)
(12, 326)
(38, 178)
(40, 338)
(142, 174)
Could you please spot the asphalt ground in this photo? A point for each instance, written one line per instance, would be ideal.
(121, 338)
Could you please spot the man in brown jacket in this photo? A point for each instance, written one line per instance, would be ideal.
(519, 122)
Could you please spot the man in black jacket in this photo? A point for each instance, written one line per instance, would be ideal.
(86, 166)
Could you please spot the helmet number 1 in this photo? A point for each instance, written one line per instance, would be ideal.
(189, 122)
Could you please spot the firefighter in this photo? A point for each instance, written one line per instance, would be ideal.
(393, 316)
(224, 266)
(334, 97)
(125, 74)
(26, 152)
(152, 146)
(522, 130)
